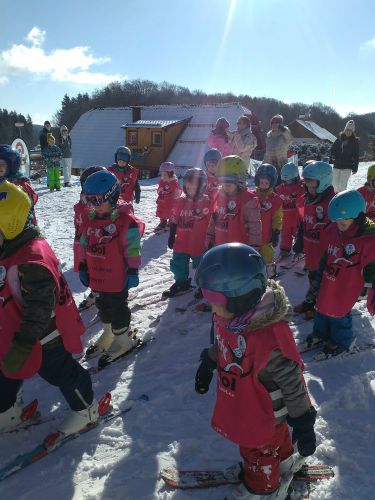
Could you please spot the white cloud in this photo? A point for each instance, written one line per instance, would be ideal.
(61, 65)
(370, 44)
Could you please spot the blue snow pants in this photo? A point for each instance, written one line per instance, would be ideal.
(58, 368)
(338, 331)
(179, 265)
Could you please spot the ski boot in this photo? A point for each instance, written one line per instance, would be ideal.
(76, 421)
(312, 342)
(123, 341)
(241, 492)
(87, 302)
(334, 350)
(102, 344)
(15, 416)
(178, 288)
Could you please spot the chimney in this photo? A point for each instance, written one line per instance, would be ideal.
(136, 113)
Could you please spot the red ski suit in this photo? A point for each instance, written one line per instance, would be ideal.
(168, 192)
(192, 218)
(345, 257)
(291, 195)
(127, 179)
(68, 320)
(369, 196)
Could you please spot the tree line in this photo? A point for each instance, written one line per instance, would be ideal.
(8, 130)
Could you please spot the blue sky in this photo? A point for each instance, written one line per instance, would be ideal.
(292, 50)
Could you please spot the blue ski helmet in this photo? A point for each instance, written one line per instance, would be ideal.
(235, 270)
(308, 162)
(88, 171)
(100, 187)
(123, 153)
(321, 172)
(346, 205)
(12, 158)
(196, 173)
(266, 171)
(289, 172)
(212, 155)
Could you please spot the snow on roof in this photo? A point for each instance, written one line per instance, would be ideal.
(98, 132)
(152, 123)
(319, 132)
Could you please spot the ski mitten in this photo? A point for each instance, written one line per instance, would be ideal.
(371, 301)
(132, 281)
(17, 355)
(303, 432)
(204, 373)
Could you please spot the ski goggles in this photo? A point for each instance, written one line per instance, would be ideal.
(214, 297)
(93, 200)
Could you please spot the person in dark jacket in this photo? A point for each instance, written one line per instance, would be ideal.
(65, 144)
(43, 135)
(345, 156)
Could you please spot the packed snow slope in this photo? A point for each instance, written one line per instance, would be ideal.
(121, 461)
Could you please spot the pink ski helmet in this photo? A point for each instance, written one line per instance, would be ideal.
(167, 166)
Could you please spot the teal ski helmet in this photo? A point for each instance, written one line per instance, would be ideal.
(321, 172)
(346, 205)
(289, 172)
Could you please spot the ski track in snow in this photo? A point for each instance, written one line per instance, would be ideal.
(122, 460)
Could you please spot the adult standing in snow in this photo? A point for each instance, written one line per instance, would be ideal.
(345, 156)
(277, 143)
(43, 135)
(244, 142)
(65, 144)
(219, 137)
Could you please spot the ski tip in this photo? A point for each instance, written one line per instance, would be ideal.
(104, 403)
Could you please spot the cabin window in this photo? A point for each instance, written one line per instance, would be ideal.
(132, 138)
(156, 138)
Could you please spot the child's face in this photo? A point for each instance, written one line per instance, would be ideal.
(344, 224)
(191, 187)
(221, 311)
(3, 168)
(103, 209)
(311, 185)
(50, 141)
(264, 184)
(121, 163)
(165, 176)
(211, 167)
(229, 188)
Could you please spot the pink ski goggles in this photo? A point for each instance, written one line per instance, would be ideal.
(93, 200)
(214, 297)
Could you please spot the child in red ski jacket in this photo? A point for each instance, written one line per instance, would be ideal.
(236, 215)
(210, 160)
(110, 260)
(126, 175)
(260, 384)
(189, 221)
(168, 192)
(291, 191)
(347, 262)
(368, 192)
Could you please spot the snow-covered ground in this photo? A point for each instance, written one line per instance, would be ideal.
(121, 461)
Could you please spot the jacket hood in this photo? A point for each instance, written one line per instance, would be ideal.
(273, 307)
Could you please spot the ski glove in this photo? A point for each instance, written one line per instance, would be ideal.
(172, 235)
(204, 373)
(17, 355)
(275, 237)
(303, 432)
(371, 301)
(132, 281)
(83, 274)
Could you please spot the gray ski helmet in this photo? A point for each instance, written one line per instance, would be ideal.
(196, 173)
(123, 153)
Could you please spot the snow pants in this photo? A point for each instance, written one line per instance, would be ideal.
(60, 369)
(268, 253)
(66, 164)
(53, 178)
(288, 231)
(113, 308)
(261, 466)
(338, 331)
(179, 265)
(340, 179)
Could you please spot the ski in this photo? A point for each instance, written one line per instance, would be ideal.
(92, 352)
(186, 479)
(94, 370)
(357, 349)
(42, 450)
